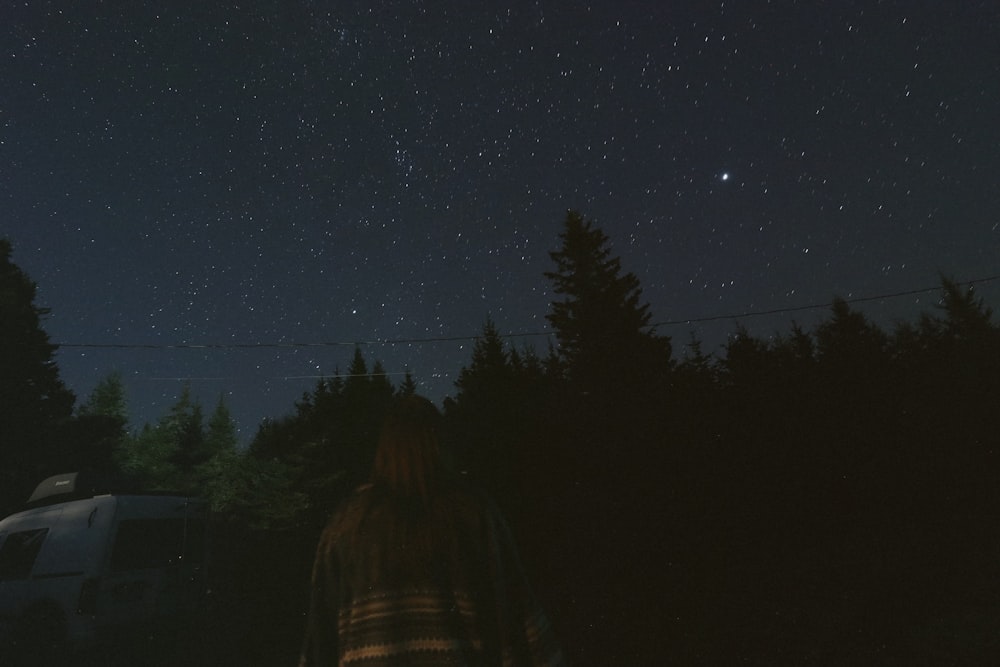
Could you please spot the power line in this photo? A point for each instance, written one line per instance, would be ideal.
(529, 334)
(794, 309)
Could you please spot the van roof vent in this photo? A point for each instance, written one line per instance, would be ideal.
(86, 484)
(75, 485)
(57, 485)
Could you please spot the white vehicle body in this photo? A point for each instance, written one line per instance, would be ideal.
(91, 569)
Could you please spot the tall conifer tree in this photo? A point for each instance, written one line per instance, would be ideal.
(33, 399)
(601, 324)
(100, 429)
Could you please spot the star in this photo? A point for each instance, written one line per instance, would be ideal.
(283, 184)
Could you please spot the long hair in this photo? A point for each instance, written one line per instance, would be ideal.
(408, 456)
(403, 517)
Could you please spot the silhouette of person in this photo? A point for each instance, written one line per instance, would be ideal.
(415, 568)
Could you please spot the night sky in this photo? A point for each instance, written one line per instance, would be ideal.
(237, 195)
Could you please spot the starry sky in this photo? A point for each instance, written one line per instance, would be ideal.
(235, 195)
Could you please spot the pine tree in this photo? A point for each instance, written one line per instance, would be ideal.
(482, 414)
(966, 317)
(497, 421)
(408, 386)
(490, 367)
(358, 377)
(964, 361)
(107, 399)
(148, 457)
(33, 400)
(221, 476)
(380, 387)
(851, 350)
(326, 448)
(186, 424)
(221, 435)
(99, 429)
(366, 398)
(602, 327)
(165, 456)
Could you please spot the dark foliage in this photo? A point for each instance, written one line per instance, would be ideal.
(817, 497)
(602, 327)
(328, 445)
(497, 425)
(34, 403)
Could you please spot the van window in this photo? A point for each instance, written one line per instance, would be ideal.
(19, 551)
(154, 543)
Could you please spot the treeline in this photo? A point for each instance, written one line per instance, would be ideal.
(817, 497)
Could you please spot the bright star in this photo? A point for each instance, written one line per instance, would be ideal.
(724, 176)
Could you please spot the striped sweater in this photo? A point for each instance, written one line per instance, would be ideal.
(468, 604)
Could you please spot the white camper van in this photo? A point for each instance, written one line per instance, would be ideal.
(78, 571)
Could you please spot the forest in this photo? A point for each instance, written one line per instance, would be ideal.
(815, 497)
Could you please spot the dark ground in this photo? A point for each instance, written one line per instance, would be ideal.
(624, 592)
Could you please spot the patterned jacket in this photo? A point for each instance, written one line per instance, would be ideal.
(468, 604)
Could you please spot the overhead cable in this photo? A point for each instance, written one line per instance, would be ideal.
(529, 334)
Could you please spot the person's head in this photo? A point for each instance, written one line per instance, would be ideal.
(408, 456)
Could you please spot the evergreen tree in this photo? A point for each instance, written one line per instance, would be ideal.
(271, 490)
(600, 322)
(149, 458)
(408, 387)
(380, 387)
(958, 378)
(481, 414)
(966, 316)
(489, 372)
(261, 493)
(367, 396)
(695, 378)
(850, 344)
(358, 378)
(326, 448)
(107, 400)
(165, 456)
(220, 476)
(497, 422)
(99, 429)
(34, 403)
(221, 435)
(186, 423)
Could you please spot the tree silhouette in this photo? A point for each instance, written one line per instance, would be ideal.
(178, 452)
(186, 424)
(489, 371)
(408, 386)
(496, 421)
(98, 431)
(326, 447)
(34, 403)
(366, 397)
(107, 400)
(220, 477)
(600, 323)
